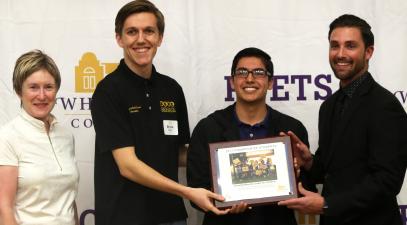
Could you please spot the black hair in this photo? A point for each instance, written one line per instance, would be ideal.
(254, 52)
(348, 20)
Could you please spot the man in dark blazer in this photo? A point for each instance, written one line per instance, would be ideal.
(361, 158)
(249, 118)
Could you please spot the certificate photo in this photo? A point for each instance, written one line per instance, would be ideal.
(255, 171)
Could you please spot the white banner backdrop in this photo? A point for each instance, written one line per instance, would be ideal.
(200, 41)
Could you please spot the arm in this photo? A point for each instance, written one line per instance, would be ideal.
(309, 203)
(136, 170)
(386, 166)
(114, 132)
(301, 151)
(198, 171)
(299, 137)
(8, 190)
(312, 170)
(385, 162)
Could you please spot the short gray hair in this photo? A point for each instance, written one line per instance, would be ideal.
(31, 62)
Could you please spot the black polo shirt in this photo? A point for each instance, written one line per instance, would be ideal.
(151, 115)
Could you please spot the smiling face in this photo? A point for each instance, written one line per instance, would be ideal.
(140, 39)
(348, 56)
(251, 90)
(38, 95)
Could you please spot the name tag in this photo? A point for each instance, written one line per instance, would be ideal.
(170, 127)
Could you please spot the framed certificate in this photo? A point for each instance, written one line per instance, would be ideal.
(257, 171)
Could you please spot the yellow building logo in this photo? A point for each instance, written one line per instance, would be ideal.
(90, 71)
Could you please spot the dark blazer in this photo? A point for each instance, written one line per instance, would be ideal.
(221, 126)
(361, 161)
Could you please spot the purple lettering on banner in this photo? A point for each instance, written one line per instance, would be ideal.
(276, 87)
(71, 103)
(321, 82)
(301, 78)
(74, 123)
(402, 94)
(326, 88)
(85, 101)
(84, 214)
(403, 209)
(229, 90)
(79, 123)
(67, 103)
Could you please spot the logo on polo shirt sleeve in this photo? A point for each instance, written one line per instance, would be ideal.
(167, 106)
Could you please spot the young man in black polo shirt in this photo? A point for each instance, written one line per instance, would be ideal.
(141, 123)
(249, 118)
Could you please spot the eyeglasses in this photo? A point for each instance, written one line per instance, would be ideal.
(257, 73)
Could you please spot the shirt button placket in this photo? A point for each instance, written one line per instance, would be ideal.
(146, 84)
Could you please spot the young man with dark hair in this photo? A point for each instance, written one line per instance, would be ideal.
(141, 123)
(248, 118)
(361, 159)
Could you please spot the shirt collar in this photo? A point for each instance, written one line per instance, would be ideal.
(137, 77)
(265, 123)
(350, 89)
(39, 124)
